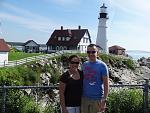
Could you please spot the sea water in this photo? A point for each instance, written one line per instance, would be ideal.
(138, 54)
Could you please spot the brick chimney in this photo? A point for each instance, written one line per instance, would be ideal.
(61, 27)
(79, 27)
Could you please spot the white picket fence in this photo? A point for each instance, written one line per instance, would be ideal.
(35, 58)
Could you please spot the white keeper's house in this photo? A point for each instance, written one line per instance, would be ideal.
(69, 39)
(4, 50)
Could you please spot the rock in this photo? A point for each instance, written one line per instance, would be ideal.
(45, 79)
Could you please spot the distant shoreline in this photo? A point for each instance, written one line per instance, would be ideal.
(136, 54)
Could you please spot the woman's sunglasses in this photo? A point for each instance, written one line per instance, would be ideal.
(72, 62)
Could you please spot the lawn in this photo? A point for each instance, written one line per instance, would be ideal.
(20, 55)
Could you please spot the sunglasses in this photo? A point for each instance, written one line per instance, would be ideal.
(72, 62)
(93, 52)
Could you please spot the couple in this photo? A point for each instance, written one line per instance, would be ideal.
(87, 88)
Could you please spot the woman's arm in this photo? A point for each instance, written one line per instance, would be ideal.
(62, 87)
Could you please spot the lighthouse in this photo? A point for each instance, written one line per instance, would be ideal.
(0, 30)
(101, 40)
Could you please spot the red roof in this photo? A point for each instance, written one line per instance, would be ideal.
(3, 46)
(116, 47)
(74, 34)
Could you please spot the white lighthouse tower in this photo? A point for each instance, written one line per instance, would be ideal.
(0, 30)
(101, 40)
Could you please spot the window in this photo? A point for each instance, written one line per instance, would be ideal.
(87, 40)
(83, 40)
(63, 38)
(57, 47)
(65, 48)
(59, 38)
(67, 38)
(61, 48)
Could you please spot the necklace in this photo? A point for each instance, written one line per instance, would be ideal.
(75, 75)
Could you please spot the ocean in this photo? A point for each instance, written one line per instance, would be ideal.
(136, 54)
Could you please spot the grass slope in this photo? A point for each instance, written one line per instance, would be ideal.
(20, 55)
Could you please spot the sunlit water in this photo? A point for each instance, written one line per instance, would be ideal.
(138, 54)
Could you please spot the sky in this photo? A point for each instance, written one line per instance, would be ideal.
(128, 25)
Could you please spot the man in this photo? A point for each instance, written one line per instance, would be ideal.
(95, 83)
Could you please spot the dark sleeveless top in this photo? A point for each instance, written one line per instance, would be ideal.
(73, 91)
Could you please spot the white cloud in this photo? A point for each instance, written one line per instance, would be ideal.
(65, 2)
(136, 7)
(129, 24)
(130, 43)
(27, 19)
(129, 35)
(29, 23)
(31, 20)
(25, 13)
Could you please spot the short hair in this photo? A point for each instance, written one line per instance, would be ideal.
(73, 56)
(92, 45)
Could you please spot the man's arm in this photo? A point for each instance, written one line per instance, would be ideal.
(106, 91)
(106, 86)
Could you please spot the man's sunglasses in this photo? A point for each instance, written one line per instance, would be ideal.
(93, 52)
(72, 62)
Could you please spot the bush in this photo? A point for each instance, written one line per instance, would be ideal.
(129, 63)
(17, 102)
(10, 76)
(55, 74)
(30, 107)
(125, 101)
(19, 75)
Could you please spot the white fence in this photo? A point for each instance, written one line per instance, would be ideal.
(35, 58)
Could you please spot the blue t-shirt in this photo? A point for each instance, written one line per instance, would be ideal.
(92, 82)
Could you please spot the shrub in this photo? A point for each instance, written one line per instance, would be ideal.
(55, 74)
(125, 101)
(17, 102)
(129, 63)
(30, 107)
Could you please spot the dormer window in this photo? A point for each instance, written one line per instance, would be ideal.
(59, 38)
(63, 38)
(67, 38)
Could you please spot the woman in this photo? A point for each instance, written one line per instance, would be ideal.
(70, 87)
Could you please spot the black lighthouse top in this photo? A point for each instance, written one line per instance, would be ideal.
(103, 6)
(103, 13)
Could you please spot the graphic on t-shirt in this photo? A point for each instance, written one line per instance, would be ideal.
(90, 75)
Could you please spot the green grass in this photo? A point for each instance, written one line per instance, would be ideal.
(20, 55)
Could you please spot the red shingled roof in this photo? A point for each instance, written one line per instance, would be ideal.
(116, 47)
(74, 34)
(3, 46)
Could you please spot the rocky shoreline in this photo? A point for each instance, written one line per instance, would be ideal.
(118, 73)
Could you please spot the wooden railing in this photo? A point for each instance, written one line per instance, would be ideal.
(35, 58)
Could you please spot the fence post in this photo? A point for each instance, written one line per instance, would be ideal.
(4, 99)
(145, 95)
